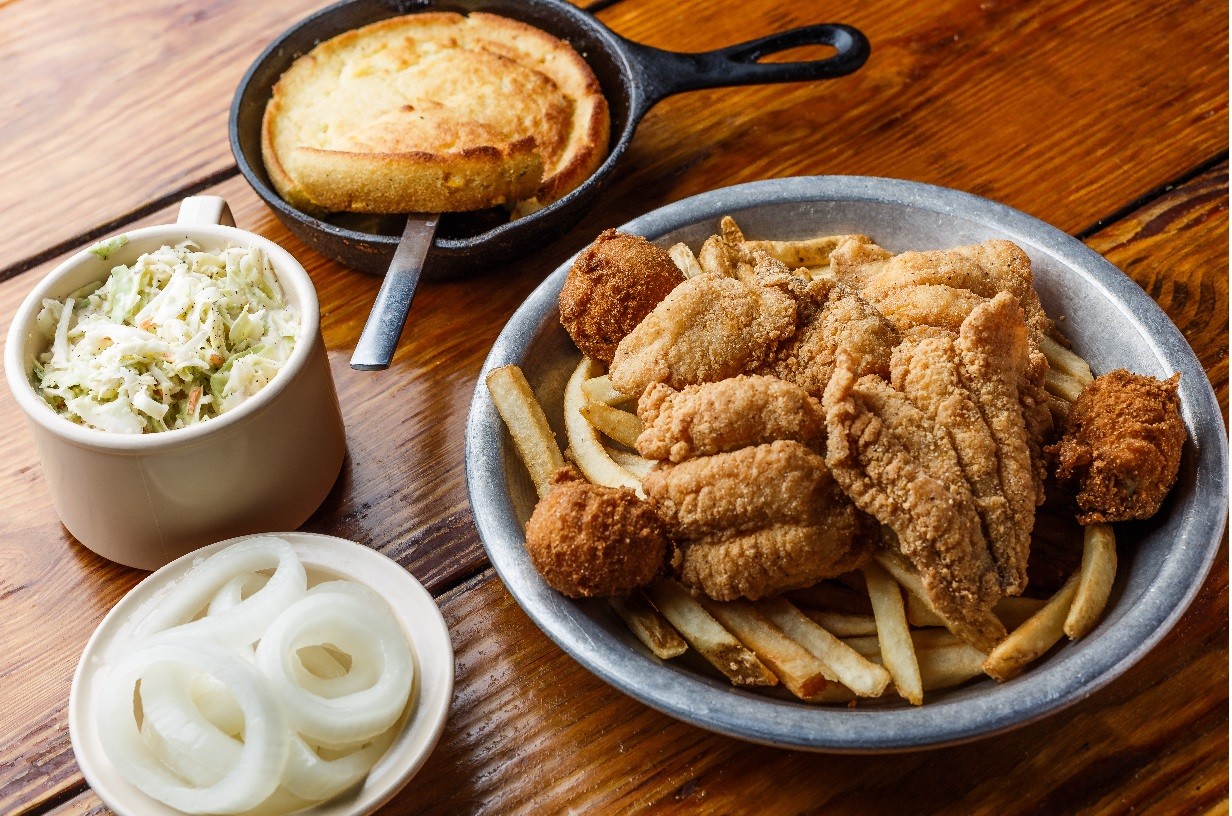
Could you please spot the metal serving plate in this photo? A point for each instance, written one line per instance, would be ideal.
(1112, 323)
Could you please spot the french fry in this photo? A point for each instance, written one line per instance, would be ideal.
(845, 664)
(1099, 563)
(800, 670)
(1062, 385)
(1066, 361)
(919, 613)
(933, 637)
(1034, 637)
(809, 252)
(948, 666)
(585, 447)
(599, 389)
(897, 651)
(619, 425)
(842, 624)
(685, 260)
(708, 636)
(532, 436)
(732, 233)
(650, 627)
(639, 466)
(983, 632)
(715, 257)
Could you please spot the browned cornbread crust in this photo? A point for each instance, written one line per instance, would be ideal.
(434, 112)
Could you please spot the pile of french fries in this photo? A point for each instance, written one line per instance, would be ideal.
(871, 634)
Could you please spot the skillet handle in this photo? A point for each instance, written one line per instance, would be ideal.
(665, 73)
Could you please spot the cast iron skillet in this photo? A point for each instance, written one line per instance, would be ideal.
(633, 78)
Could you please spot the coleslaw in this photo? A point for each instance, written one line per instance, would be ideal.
(178, 337)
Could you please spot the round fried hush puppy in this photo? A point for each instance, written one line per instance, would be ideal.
(590, 541)
(611, 287)
(1122, 447)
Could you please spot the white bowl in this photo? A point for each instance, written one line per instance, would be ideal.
(411, 604)
(145, 499)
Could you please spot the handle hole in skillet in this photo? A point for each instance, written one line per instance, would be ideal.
(802, 53)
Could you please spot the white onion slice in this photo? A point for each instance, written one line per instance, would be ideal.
(242, 624)
(235, 590)
(184, 740)
(258, 767)
(320, 673)
(309, 776)
(355, 624)
(217, 705)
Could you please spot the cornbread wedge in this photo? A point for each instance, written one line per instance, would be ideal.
(434, 112)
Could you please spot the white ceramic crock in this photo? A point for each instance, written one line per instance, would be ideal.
(143, 500)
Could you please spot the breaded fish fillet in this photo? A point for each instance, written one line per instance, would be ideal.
(927, 367)
(725, 416)
(845, 321)
(708, 328)
(982, 269)
(775, 559)
(888, 457)
(780, 481)
(993, 344)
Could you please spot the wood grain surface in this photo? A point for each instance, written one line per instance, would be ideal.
(994, 96)
(1107, 120)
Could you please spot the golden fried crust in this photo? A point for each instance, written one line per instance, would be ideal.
(847, 322)
(1121, 449)
(889, 459)
(614, 283)
(775, 559)
(588, 541)
(709, 328)
(726, 416)
(433, 112)
(927, 367)
(780, 481)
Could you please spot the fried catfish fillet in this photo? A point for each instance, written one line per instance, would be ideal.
(927, 367)
(757, 521)
(983, 270)
(726, 416)
(708, 328)
(888, 457)
(843, 320)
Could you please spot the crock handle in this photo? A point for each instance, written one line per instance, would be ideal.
(205, 209)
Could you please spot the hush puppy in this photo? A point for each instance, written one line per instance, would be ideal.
(591, 541)
(611, 287)
(1122, 447)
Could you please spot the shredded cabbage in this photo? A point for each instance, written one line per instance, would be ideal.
(177, 338)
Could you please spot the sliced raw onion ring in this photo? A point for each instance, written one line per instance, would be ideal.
(242, 624)
(184, 740)
(309, 776)
(356, 625)
(259, 764)
(217, 705)
(235, 590)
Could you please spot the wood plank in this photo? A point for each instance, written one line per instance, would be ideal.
(1010, 100)
(953, 90)
(531, 731)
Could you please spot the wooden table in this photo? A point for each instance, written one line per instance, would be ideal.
(1108, 120)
